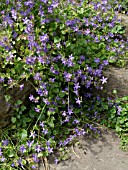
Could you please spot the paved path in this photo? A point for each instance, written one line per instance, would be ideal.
(95, 154)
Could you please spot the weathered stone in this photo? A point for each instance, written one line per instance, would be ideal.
(7, 110)
(124, 19)
(4, 109)
(117, 80)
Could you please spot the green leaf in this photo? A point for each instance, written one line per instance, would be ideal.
(23, 108)
(13, 119)
(66, 131)
(19, 102)
(61, 94)
(77, 111)
(45, 154)
(56, 84)
(49, 113)
(125, 98)
(62, 26)
(126, 106)
(55, 132)
(114, 91)
(57, 39)
(32, 114)
(105, 107)
(81, 10)
(51, 124)
(41, 154)
(101, 45)
(18, 116)
(56, 67)
(112, 115)
(23, 161)
(27, 119)
(64, 32)
(121, 121)
(13, 71)
(111, 61)
(68, 43)
(10, 153)
(48, 46)
(56, 90)
(13, 127)
(118, 129)
(24, 133)
(7, 97)
(52, 118)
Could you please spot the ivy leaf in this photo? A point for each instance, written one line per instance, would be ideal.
(19, 102)
(51, 124)
(62, 26)
(13, 71)
(23, 108)
(23, 133)
(68, 43)
(122, 121)
(55, 132)
(10, 153)
(125, 98)
(56, 90)
(57, 39)
(13, 119)
(7, 97)
(118, 129)
(23, 161)
(27, 119)
(61, 94)
(41, 154)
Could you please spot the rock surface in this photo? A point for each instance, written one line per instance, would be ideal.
(7, 110)
(94, 154)
(117, 80)
(124, 19)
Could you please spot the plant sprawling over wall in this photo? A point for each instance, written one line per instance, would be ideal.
(61, 47)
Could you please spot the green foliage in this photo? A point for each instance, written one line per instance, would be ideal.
(124, 6)
(117, 118)
(62, 53)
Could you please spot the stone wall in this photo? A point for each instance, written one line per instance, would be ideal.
(7, 109)
(117, 80)
(124, 19)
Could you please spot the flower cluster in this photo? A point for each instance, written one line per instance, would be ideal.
(62, 48)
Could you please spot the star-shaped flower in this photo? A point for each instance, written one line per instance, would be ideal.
(104, 80)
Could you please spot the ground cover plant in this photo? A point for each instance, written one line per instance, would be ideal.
(61, 48)
(123, 6)
(117, 118)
